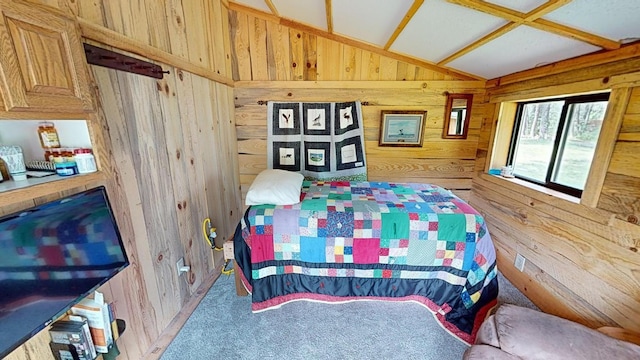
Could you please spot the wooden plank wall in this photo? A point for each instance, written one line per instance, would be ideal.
(195, 30)
(263, 50)
(171, 161)
(582, 261)
(170, 139)
(277, 63)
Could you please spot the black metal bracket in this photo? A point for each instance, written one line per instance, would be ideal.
(113, 60)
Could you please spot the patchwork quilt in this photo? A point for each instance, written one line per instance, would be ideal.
(372, 240)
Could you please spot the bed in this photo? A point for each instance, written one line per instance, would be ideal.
(344, 241)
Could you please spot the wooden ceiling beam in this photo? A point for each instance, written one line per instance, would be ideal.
(533, 19)
(327, 5)
(272, 7)
(405, 20)
(476, 44)
(491, 9)
(569, 32)
(544, 9)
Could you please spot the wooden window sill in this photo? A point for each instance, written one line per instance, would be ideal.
(541, 189)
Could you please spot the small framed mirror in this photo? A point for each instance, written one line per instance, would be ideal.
(457, 115)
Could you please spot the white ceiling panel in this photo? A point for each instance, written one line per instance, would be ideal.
(520, 49)
(310, 12)
(373, 21)
(439, 29)
(613, 19)
(524, 6)
(256, 4)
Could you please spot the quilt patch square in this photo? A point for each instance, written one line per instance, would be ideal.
(285, 221)
(314, 204)
(262, 230)
(393, 251)
(340, 224)
(286, 247)
(365, 233)
(452, 227)
(395, 226)
(340, 196)
(421, 252)
(338, 249)
(365, 251)
(262, 248)
(312, 249)
(364, 206)
(417, 207)
(386, 197)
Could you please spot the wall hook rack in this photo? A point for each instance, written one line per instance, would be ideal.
(113, 60)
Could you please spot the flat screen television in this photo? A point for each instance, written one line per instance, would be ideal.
(52, 256)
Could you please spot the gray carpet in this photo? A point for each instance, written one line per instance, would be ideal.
(223, 327)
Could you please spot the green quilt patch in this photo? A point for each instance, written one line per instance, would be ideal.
(452, 227)
(314, 204)
(395, 226)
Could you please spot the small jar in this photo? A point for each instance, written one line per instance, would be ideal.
(66, 168)
(85, 160)
(48, 135)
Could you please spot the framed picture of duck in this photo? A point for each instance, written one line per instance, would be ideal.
(401, 128)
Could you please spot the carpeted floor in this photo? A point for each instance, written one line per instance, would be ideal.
(223, 327)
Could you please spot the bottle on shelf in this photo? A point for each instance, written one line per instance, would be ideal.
(85, 160)
(48, 135)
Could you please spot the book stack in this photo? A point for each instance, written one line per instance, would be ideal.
(97, 313)
(89, 328)
(71, 339)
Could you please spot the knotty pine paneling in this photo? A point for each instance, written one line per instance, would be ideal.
(171, 141)
(168, 156)
(621, 188)
(446, 162)
(582, 260)
(263, 50)
(195, 30)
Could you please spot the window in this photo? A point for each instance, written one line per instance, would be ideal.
(554, 141)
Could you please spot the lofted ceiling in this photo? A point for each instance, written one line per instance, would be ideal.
(484, 39)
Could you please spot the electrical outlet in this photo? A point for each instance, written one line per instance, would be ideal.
(519, 263)
(179, 266)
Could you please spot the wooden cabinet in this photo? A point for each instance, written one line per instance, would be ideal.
(42, 63)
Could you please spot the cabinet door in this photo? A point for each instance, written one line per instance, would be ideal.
(42, 63)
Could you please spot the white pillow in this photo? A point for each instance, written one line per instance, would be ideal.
(275, 187)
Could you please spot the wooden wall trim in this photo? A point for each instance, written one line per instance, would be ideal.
(616, 110)
(599, 58)
(471, 86)
(617, 73)
(112, 38)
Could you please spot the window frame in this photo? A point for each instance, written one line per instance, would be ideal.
(560, 138)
